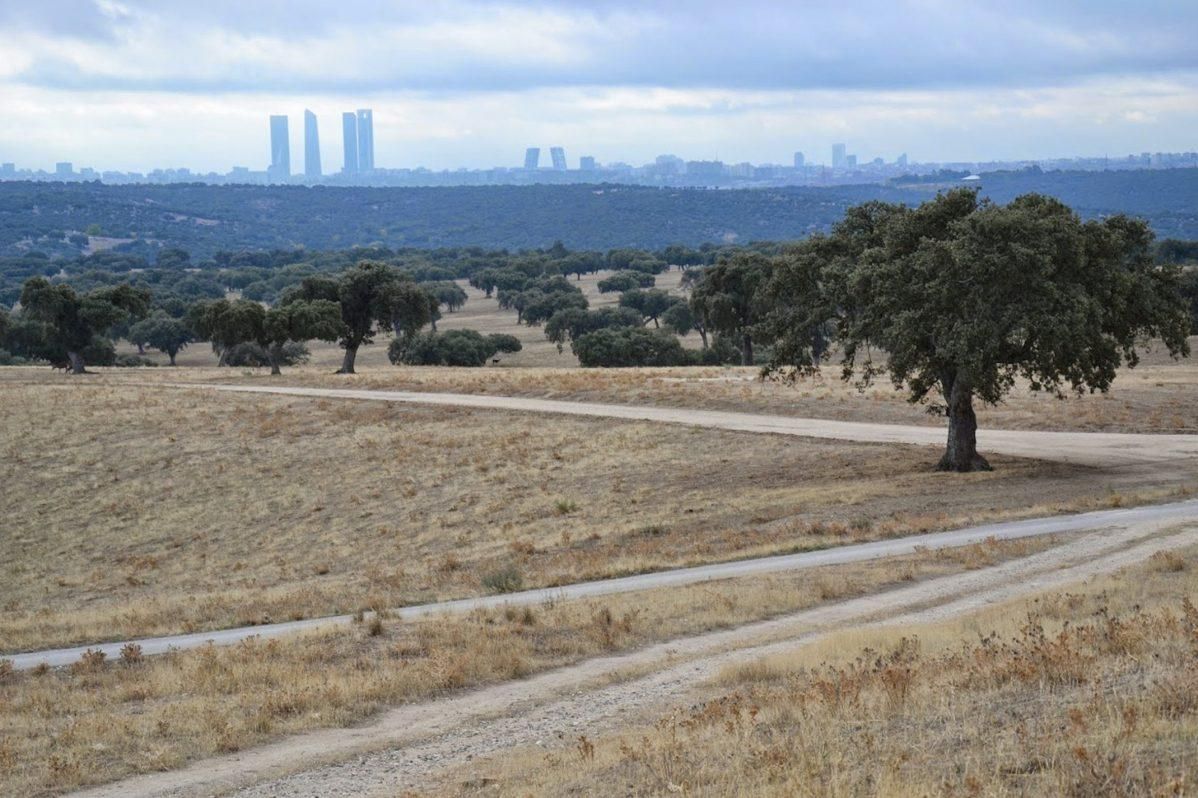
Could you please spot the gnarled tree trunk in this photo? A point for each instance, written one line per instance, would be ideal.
(276, 354)
(961, 453)
(347, 365)
(171, 354)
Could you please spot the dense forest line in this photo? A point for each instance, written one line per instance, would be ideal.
(69, 219)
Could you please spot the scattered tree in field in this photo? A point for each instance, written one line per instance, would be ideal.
(725, 299)
(371, 296)
(572, 323)
(298, 321)
(226, 323)
(629, 346)
(685, 257)
(650, 304)
(452, 348)
(625, 281)
(164, 333)
(449, 295)
(965, 297)
(680, 320)
(1189, 292)
(74, 321)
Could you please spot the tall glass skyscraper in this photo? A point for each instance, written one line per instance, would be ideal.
(349, 132)
(280, 148)
(365, 139)
(558, 154)
(532, 157)
(311, 146)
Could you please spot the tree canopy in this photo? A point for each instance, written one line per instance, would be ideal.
(964, 297)
(74, 321)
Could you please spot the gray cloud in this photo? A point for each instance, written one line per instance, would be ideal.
(911, 44)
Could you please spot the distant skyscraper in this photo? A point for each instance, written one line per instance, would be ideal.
(64, 168)
(901, 160)
(838, 156)
(532, 157)
(365, 139)
(311, 146)
(587, 163)
(280, 148)
(349, 132)
(850, 161)
(799, 160)
(558, 154)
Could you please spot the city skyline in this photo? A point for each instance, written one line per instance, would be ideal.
(467, 84)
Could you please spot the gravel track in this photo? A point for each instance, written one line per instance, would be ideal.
(413, 746)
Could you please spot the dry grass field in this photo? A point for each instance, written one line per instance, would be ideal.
(133, 511)
(1093, 691)
(100, 720)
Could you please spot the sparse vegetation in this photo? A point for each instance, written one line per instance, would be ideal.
(1080, 693)
(100, 720)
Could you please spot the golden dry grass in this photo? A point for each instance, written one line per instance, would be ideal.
(131, 511)
(100, 720)
(1088, 692)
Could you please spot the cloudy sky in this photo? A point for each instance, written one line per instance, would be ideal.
(134, 84)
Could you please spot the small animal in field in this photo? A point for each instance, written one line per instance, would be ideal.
(60, 365)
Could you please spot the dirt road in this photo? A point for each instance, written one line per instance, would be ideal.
(411, 746)
(1008, 530)
(1083, 448)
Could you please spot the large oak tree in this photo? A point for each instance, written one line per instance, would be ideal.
(964, 297)
(73, 320)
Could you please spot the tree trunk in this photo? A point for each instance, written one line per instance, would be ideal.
(276, 354)
(961, 453)
(703, 336)
(76, 363)
(434, 323)
(746, 350)
(347, 365)
(141, 348)
(656, 326)
(171, 354)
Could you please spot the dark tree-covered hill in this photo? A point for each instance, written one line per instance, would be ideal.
(64, 219)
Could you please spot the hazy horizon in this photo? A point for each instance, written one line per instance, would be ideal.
(135, 85)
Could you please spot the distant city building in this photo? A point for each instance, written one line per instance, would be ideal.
(280, 149)
(800, 161)
(349, 132)
(558, 156)
(64, 169)
(365, 140)
(850, 161)
(8, 169)
(705, 170)
(838, 156)
(586, 163)
(532, 158)
(311, 146)
(742, 170)
(901, 160)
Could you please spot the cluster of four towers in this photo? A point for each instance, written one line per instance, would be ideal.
(357, 128)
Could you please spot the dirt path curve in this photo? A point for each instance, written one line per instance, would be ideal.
(858, 552)
(410, 746)
(1082, 448)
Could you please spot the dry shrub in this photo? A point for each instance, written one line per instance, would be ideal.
(131, 654)
(90, 661)
(1168, 562)
(507, 579)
